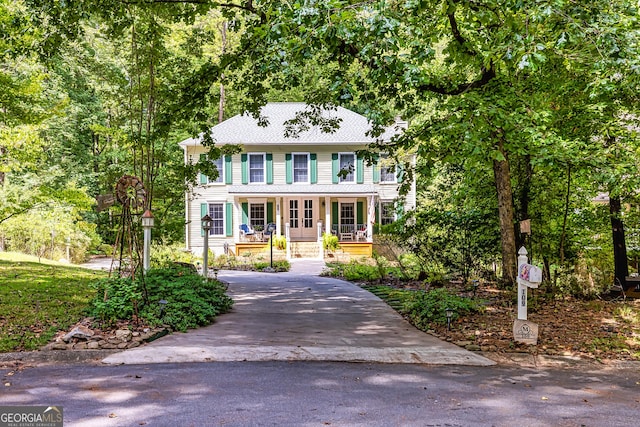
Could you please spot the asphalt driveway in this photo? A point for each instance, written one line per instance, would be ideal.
(303, 317)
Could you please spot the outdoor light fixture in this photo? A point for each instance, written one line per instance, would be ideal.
(163, 304)
(147, 225)
(215, 273)
(449, 312)
(207, 224)
(475, 287)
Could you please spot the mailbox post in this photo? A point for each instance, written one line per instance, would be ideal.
(529, 276)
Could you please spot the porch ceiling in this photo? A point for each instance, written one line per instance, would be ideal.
(303, 189)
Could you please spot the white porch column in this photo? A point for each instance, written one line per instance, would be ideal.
(371, 217)
(278, 216)
(327, 214)
(237, 220)
(320, 247)
(287, 236)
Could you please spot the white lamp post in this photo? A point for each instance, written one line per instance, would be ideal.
(207, 224)
(147, 225)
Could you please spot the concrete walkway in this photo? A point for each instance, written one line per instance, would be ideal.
(301, 316)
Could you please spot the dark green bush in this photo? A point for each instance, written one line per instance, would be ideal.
(191, 300)
(426, 308)
(278, 265)
(115, 299)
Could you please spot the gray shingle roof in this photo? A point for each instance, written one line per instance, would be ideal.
(244, 129)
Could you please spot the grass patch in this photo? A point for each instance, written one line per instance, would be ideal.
(37, 299)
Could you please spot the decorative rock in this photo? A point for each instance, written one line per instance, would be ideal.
(463, 343)
(124, 335)
(109, 346)
(473, 347)
(80, 346)
(133, 344)
(122, 345)
(93, 345)
(59, 346)
(80, 331)
(135, 334)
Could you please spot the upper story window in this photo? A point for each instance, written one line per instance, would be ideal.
(301, 167)
(387, 169)
(256, 168)
(347, 163)
(219, 166)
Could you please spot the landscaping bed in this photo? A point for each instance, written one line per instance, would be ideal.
(598, 329)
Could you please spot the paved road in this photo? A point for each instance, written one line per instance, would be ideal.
(301, 316)
(326, 394)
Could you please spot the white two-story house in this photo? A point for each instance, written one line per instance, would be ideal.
(293, 184)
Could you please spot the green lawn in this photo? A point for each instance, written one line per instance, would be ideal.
(39, 298)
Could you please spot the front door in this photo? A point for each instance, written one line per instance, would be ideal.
(301, 219)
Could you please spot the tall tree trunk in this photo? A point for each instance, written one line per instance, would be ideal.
(563, 236)
(619, 245)
(2, 153)
(505, 213)
(527, 173)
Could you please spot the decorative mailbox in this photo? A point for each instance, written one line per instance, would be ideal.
(530, 275)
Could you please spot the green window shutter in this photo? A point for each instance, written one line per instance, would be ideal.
(399, 209)
(314, 167)
(360, 212)
(204, 210)
(245, 168)
(245, 213)
(288, 164)
(334, 214)
(204, 179)
(269, 166)
(269, 212)
(228, 219)
(335, 168)
(359, 170)
(228, 170)
(376, 169)
(399, 172)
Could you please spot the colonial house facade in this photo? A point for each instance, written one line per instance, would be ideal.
(299, 187)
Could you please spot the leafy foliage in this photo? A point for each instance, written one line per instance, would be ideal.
(191, 300)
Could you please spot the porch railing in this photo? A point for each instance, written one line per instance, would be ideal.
(349, 231)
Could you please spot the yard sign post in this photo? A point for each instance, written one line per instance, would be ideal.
(529, 276)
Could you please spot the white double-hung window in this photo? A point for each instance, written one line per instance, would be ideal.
(216, 212)
(301, 167)
(387, 169)
(256, 168)
(347, 167)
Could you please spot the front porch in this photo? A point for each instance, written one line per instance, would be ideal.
(299, 249)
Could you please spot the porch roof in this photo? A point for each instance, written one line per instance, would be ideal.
(303, 189)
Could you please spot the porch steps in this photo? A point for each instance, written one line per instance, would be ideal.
(304, 249)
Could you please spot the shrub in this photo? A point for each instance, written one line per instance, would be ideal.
(115, 299)
(192, 300)
(425, 308)
(278, 265)
(330, 242)
(165, 255)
